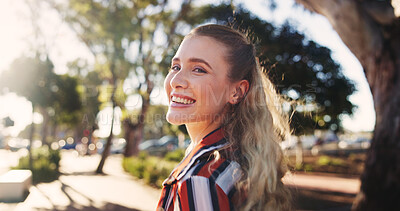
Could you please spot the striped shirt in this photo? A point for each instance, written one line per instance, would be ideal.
(200, 182)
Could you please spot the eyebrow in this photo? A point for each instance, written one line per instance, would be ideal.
(193, 59)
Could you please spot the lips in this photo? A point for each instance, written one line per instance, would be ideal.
(182, 99)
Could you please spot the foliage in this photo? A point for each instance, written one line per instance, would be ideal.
(347, 165)
(56, 95)
(122, 37)
(32, 78)
(303, 71)
(46, 163)
(88, 84)
(175, 156)
(153, 170)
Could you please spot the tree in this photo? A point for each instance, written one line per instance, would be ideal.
(89, 83)
(35, 80)
(111, 29)
(303, 71)
(371, 30)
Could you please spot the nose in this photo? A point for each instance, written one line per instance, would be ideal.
(179, 80)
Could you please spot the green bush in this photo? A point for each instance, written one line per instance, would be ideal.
(327, 161)
(176, 155)
(153, 170)
(46, 163)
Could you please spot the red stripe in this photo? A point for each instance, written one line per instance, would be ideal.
(222, 199)
(210, 167)
(210, 139)
(183, 195)
(162, 197)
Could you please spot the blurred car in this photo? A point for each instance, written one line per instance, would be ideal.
(357, 144)
(2, 142)
(117, 145)
(323, 147)
(145, 145)
(67, 144)
(160, 146)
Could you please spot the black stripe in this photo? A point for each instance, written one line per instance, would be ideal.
(230, 196)
(220, 169)
(190, 194)
(222, 141)
(198, 167)
(214, 195)
(166, 195)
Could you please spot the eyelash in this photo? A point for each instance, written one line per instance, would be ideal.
(199, 70)
(196, 69)
(173, 68)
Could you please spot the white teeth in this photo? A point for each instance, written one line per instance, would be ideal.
(182, 100)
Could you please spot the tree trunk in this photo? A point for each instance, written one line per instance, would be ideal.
(107, 148)
(134, 132)
(374, 38)
(380, 181)
(31, 134)
(45, 125)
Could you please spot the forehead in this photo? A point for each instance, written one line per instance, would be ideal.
(202, 47)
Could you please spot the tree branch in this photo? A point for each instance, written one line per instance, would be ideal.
(355, 26)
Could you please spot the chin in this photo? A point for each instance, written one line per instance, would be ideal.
(175, 119)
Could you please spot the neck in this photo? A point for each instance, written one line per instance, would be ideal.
(198, 130)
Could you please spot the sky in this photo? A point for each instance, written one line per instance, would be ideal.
(16, 36)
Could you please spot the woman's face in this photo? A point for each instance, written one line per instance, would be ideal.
(197, 84)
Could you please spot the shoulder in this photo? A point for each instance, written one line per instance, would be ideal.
(223, 173)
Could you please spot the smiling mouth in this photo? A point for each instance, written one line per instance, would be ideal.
(182, 100)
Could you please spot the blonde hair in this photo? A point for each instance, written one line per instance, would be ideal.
(253, 127)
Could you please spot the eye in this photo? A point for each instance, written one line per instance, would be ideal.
(199, 70)
(175, 68)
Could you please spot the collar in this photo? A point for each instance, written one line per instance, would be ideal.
(213, 141)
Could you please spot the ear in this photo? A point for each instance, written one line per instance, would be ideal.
(239, 91)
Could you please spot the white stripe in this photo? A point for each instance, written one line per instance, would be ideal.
(187, 175)
(201, 193)
(229, 177)
(176, 204)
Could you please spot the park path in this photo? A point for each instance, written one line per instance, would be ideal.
(79, 189)
(324, 182)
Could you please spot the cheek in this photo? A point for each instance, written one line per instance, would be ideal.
(215, 95)
(167, 85)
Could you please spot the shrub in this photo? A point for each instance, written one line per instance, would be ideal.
(153, 170)
(46, 163)
(325, 161)
(176, 155)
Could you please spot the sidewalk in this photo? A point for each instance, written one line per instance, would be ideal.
(322, 191)
(327, 183)
(79, 189)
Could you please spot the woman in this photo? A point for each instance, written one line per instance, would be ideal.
(216, 88)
